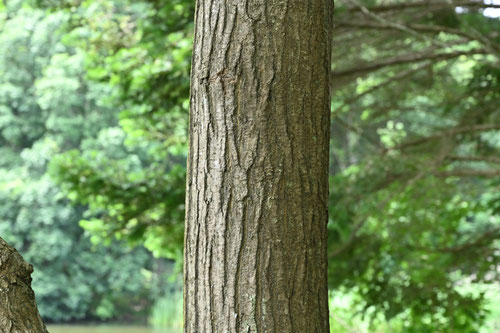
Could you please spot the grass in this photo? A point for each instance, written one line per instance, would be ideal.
(167, 313)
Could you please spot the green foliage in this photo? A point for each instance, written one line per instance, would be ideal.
(71, 275)
(48, 106)
(133, 177)
(115, 192)
(404, 233)
(412, 205)
(97, 92)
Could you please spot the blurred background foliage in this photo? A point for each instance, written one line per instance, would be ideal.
(94, 99)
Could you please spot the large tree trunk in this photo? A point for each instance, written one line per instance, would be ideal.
(18, 310)
(256, 238)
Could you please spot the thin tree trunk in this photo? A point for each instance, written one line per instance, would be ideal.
(256, 239)
(18, 310)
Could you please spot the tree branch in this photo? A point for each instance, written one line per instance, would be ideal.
(399, 76)
(396, 25)
(488, 159)
(491, 173)
(491, 45)
(418, 4)
(450, 132)
(489, 235)
(404, 59)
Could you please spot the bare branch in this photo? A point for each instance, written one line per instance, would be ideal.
(490, 44)
(419, 4)
(450, 132)
(488, 159)
(396, 25)
(397, 77)
(468, 173)
(489, 235)
(404, 59)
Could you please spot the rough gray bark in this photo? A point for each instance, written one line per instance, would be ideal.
(18, 310)
(256, 240)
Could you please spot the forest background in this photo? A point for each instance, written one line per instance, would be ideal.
(94, 99)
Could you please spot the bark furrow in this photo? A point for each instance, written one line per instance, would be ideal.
(255, 247)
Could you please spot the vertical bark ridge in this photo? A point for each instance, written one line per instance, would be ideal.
(255, 247)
